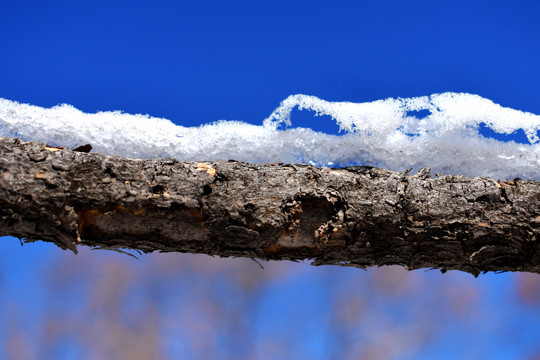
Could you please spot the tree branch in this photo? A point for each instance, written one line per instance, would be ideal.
(356, 216)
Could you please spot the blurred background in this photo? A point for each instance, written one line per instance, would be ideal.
(196, 62)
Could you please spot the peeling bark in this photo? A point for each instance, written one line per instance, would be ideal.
(356, 216)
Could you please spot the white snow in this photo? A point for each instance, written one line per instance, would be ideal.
(380, 133)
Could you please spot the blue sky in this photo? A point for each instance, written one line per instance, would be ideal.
(196, 62)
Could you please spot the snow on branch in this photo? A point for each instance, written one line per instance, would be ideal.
(445, 131)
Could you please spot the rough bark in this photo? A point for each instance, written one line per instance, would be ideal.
(356, 216)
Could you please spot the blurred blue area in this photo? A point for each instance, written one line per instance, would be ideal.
(198, 62)
(190, 306)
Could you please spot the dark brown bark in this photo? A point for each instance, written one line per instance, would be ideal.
(357, 216)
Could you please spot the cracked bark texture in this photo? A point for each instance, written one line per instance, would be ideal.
(356, 216)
